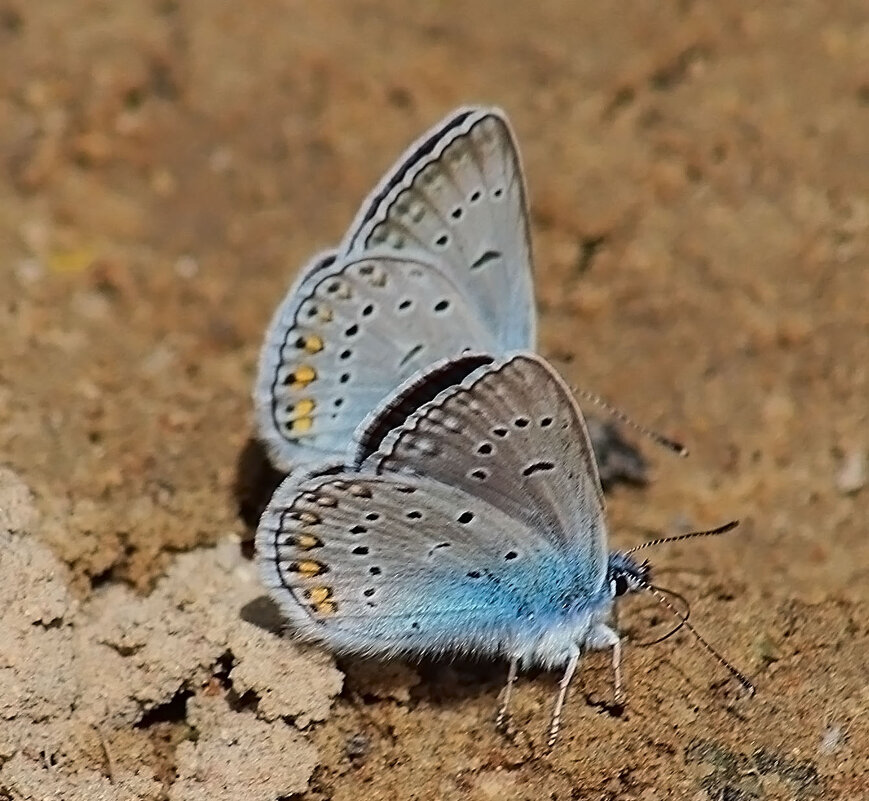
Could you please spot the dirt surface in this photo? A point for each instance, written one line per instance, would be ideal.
(699, 181)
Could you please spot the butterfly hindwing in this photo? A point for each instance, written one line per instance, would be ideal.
(344, 338)
(458, 195)
(275, 355)
(388, 565)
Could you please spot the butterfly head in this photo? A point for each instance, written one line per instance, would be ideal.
(625, 574)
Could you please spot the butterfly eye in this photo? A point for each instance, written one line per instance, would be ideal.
(620, 585)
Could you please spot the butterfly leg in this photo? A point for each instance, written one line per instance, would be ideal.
(618, 692)
(512, 673)
(601, 637)
(572, 662)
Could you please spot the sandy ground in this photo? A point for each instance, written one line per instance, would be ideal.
(699, 178)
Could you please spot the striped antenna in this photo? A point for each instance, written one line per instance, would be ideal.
(738, 675)
(670, 444)
(690, 535)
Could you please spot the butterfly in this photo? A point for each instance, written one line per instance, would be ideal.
(437, 261)
(467, 518)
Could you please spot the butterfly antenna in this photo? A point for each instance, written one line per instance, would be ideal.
(670, 444)
(678, 627)
(738, 675)
(690, 535)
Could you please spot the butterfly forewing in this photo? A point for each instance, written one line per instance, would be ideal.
(420, 150)
(384, 565)
(512, 435)
(459, 197)
(350, 333)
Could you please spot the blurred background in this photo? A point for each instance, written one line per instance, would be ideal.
(699, 186)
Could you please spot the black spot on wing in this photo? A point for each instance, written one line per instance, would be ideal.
(537, 467)
(410, 355)
(487, 258)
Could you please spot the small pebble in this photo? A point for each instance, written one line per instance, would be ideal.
(358, 746)
(851, 477)
(29, 271)
(186, 267)
(830, 740)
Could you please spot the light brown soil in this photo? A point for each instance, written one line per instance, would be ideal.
(699, 178)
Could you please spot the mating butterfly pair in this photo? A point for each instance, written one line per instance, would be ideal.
(444, 495)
